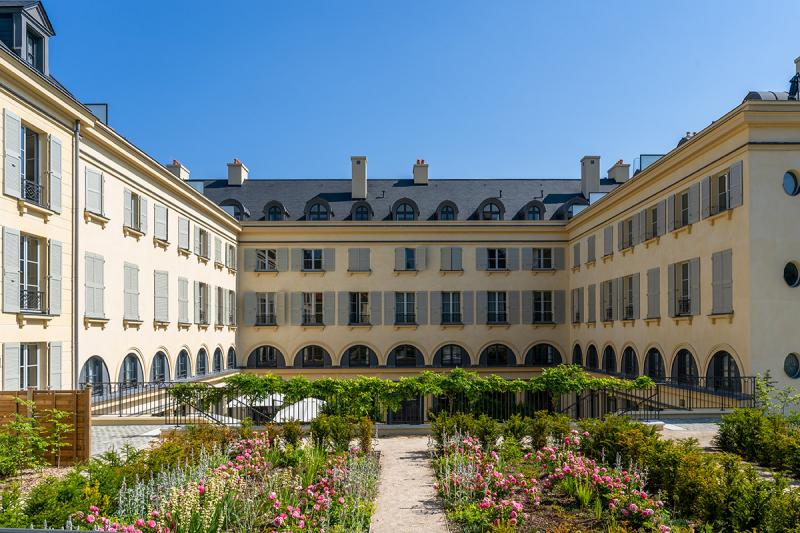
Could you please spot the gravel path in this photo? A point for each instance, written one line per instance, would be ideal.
(406, 500)
(105, 438)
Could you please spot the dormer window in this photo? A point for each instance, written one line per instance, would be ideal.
(34, 53)
(404, 212)
(318, 212)
(447, 213)
(274, 213)
(533, 213)
(491, 212)
(361, 213)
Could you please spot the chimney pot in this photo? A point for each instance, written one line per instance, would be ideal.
(237, 172)
(358, 165)
(590, 175)
(178, 170)
(620, 172)
(420, 172)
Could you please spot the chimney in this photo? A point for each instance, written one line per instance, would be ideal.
(797, 65)
(420, 172)
(180, 171)
(359, 175)
(237, 173)
(620, 172)
(590, 175)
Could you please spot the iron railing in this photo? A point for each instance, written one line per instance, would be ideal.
(405, 318)
(609, 314)
(684, 307)
(33, 192)
(266, 319)
(358, 319)
(31, 301)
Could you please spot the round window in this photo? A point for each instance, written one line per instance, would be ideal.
(790, 184)
(791, 365)
(791, 275)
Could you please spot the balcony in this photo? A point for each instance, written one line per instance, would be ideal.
(497, 318)
(451, 318)
(34, 193)
(683, 306)
(405, 319)
(545, 317)
(31, 301)
(608, 316)
(627, 312)
(359, 319)
(312, 319)
(266, 319)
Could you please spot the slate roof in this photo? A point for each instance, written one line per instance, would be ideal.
(382, 194)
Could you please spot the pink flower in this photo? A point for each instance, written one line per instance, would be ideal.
(151, 523)
(139, 522)
(90, 518)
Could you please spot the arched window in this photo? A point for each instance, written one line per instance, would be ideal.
(405, 211)
(313, 357)
(654, 365)
(216, 365)
(577, 355)
(609, 360)
(405, 356)
(318, 211)
(630, 364)
(234, 208)
(497, 355)
(447, 212)
(231, 358)
(533, 212)
(95, 374)
(591, 358)
(359, 357)
(451, 356)
(684, 368)
(491, 211)
(361, 212)
(201, 367)
(131, 371)
(265, 357)
(159, 372)
(543, 355)
(183, 367)
(275, 213)
(723, 373)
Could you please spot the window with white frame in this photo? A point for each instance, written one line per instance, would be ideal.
(720, 193)
(496, 312)
(542, 307)
(31, 163)
(312, 259)
(29, 361)
(497, 259)
(405, 308)
(451, 307)
(265, 309)
(359, 308)
(542, 258)
(267, 260)
(312, 308)
(31, 261)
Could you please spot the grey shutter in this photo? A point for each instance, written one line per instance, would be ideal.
(512, 261)
(694, 281)
(445, 261)
(161, 296)
(580, 304)
(196, 302)
(620, 231)
(399, 259)
(559, 303)
(422, 307)
(480, 307)
(352, 260)
(197, 242)
(12, 175)
(608, 240)
(694, 203)
(364, 260)
(217, 249)
(250, 261)
(94, 191)
(639, 220)
(143, 215)
(671, 289)
(88, 270)
(527, 258)
(375, 308)
(280, 308)
(671, 212)
(388, 308)
(421, 258)
(183, 300)
(467, 307)
(127, 199)
(591, 252)
(54, 364)
(715, 279)
(636, 299)
(344, 308)
(11, 366)
(250, 308)
(558, 258)
(576, 254)
(591, 315)
(297, 259)
(55, 174)
(329, 259)
(654, 293)
(481, 259)
(513, 307)
(726, 283)
(616, 298)
(98, 270)
(455, 258)
(282, 256)
(661, 218)
(183, 233)
(297, 308)
(705, 200)
(329, 308)
(436, 307)
(527, 307)
(54, 276)
(131, 289)
(160, 225)
(735, 178)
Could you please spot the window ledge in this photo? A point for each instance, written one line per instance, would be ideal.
(231, 270)
(590, 264)
(184, 325)
(96, 218)
(683, 229)
(452, 325)
(25, 206)
(232, 327)
(459, 272)
(160, 324)
(359, 326)
(652, 321)
(576, 324)
(266, 272)
(628, 322)
(651, 242)
(313, 326)
(270, 327)
(406, 272)
(576, 268)
(184, 252)
(218, 327)
(722, 215)
(537, 271)
(359, 272)
(313, 273)
(628, 250)
(679, 319)
(202, 259)
(202, 327)
(591, 324)
(405, 326)
(92, 321)
(160, 243)
(608, 323)
(544, 325)
(132, 232)
(721, 316)
(498, 272)
(25, 317)
(500, 325)
(218, 265)
(607, 258)
(135, 323)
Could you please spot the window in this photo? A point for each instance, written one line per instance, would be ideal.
(497, 259)
(159, 372)
(275, 213)
(265, 309)
(94, 191)
(130, 292)
(405, 308)
(542, 307)
(723, 373)
(591, 357)
(684, 368)
(134, 211)
(96, 375)
(651, 223)
(577, 355)
(681, 209)
(230, 256)
(359, 308)
(609, 360)
(318, 212)
(791, 365)
(451, 308)
(31, 290)
(359, 356)
(491, 211)
(30, 167)
(447, 212)
(452, 355)
(791, 185)
(29, 365)
(720, 193)
(267, 260)
(406, 356)
(216, 365)
(627, 233)
(404, 212)
(266, 357)
(577, 305)
(219, 300)
(231, 358)
(312, 260)
(34, 51)
(683, 301)
(201, 242)
(542, 258)
(542, 355)
(202, 362)
(361, 213)
(496, 301)
(791, 274)
(654, 365)
(312, 308)
(630, 363)
(608, 301)
(409, 259)
(627, 298)
(533, 213)
(201, 303)
(497, 355)
(232, 308)
(182, 367)
(313, 356)
(130, 371)
(234, 210)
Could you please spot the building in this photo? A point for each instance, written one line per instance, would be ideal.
(121, 271)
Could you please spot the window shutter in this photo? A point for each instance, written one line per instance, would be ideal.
(694, 281)
(661, 218)
(636, 300)
(54, 276)
(558, 258)
(616, 298)
(127, 198)
(527, 307)
(436, 308)
(705, 200)
(620, 231)
(161, 296)
(352, 260)
(12, 168)
(455, 258)
(591, 316)
(735, 177)
(183, 234)
(445, 260)
(250, 308)
(580, 304)
(283, 259)
(527, 258)
(94, 191)
(694, 203)
(422, 307)
(590, 249)
(329, 259)
(559, 304)
(512, 261)
(280, 308)
(88, 281)
(55, 174)
(250, 259)
(183, 300)
(727, 281)
(54, 364)
(217, 249)
(721, 282)
(467, 307)
(143, 215)
(161, 217)
(576, 254)
(653, 293)
(421, 257)
(329, 308)
(608, 240)
(297, 259)
(10, 360)
(344, 307)
(94, 285)
(131, 290)
(196, 302)
(671, 289)
(197, 242)
(388, 308)
(480, 307)
(481, 259)
(399, 258)
(671, 212)
(513, 307)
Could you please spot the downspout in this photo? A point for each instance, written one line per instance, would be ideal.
(75, 261)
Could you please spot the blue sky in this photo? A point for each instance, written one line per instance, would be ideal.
(479, 89)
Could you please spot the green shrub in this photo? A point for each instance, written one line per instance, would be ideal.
(619, 436)
(12, 513)
(273, 432)
(332, 432)
(364, 432)
(487, 430)
(543, 425)
(54, 500)
(510, 450)
(516, 426)
(292, 432)
(444, 425)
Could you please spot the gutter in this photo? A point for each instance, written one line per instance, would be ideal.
(76, 147)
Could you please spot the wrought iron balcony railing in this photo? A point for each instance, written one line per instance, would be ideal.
(31, 301)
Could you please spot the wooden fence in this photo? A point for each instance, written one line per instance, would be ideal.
(75, 402)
